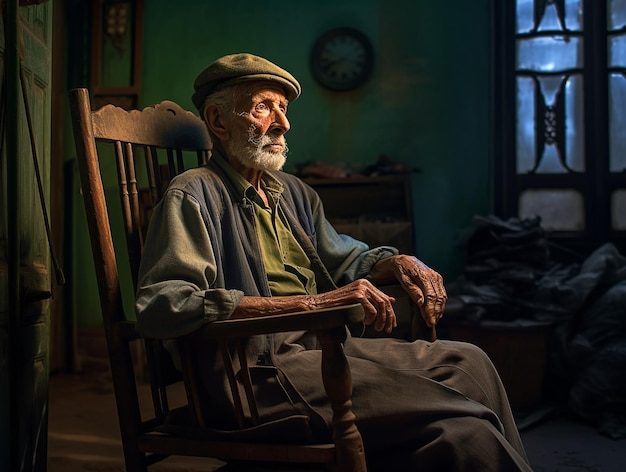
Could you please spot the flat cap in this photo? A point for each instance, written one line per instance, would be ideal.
(237, 68)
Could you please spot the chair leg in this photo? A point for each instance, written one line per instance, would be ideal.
(135, 461)
(338, 384)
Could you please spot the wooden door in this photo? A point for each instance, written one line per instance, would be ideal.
(25, 282)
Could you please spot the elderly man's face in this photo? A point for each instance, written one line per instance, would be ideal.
(257, 129)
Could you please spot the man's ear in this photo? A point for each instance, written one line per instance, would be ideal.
(215, 121)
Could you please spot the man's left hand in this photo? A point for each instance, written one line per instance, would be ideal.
(423, 284)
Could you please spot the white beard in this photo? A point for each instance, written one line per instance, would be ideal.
(250, 153)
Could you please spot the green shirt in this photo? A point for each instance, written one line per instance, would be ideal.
(287, 267)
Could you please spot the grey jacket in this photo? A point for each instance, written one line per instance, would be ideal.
(202, 256)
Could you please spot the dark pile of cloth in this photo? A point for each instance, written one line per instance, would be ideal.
(511, 274)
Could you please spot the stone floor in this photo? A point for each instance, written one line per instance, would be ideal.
(83, 435)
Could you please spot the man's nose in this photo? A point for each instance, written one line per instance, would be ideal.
(280, 122)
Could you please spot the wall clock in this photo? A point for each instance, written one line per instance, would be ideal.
(342, 59)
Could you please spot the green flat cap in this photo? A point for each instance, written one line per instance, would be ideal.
(236, 68)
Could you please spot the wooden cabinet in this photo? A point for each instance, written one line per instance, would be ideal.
(376, 210)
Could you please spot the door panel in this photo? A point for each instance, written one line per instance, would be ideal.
(25, 286)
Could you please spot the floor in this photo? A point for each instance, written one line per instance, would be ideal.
(83, 435)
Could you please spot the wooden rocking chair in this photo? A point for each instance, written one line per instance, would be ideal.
(148, 148)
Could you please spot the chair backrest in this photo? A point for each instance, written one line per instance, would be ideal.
(146, 149)
(163, 134)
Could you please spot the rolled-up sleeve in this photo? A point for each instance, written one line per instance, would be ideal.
(175, 290)
(346, 258)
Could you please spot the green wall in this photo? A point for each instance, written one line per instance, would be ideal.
(426, 105)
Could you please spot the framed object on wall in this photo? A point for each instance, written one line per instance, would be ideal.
(342, 59)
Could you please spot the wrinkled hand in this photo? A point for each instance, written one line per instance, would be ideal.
(423, 284)
(376, 305)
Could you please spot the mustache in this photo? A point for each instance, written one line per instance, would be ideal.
(264, 140)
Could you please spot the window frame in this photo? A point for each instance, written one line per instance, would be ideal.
(596, 183)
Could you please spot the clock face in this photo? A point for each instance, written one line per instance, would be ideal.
(342, 59)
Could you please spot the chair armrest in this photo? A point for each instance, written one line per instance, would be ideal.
(321, 319)
(329, 325)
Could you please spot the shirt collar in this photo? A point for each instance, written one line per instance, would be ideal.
(269, 182)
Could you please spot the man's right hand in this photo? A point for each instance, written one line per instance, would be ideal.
(377, 305)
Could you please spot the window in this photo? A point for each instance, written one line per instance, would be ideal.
(561, 117)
